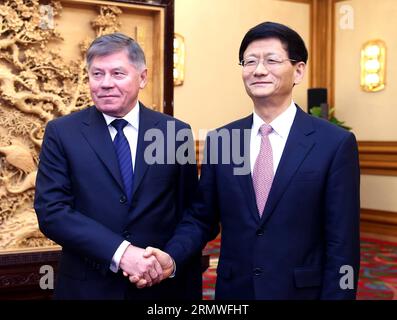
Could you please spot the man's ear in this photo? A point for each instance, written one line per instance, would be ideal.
(143, 78)
(300, 69)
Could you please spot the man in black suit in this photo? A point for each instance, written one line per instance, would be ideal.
(101, 197)
(290, 213)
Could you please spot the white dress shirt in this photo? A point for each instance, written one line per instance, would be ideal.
(278, 137)
(131, 133)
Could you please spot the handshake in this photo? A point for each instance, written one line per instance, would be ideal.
(145, 267)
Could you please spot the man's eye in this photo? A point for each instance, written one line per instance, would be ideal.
(118, 74)
(272, 61)
(250, 62)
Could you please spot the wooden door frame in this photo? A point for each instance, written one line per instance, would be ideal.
(322, 45)
(168, 81)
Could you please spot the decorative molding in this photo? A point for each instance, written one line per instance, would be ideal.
(378, 221)
(22, 258)
(20, 274)
(20, 279)
(378, 157)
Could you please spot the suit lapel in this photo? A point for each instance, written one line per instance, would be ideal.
(298, 145)
(146, 122)
(97, 134)
(246, 180)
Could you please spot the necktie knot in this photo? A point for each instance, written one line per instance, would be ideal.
(119, 124)
(265, 129)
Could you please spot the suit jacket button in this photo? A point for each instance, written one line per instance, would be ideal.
(259, 232)
(126, 234)
(123, 199)
(257, 271)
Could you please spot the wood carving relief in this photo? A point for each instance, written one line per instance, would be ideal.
(36, 85)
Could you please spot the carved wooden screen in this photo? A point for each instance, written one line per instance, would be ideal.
(43, 76)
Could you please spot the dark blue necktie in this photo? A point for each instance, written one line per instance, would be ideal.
(123, 152)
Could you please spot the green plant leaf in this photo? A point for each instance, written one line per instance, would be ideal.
(316, 111)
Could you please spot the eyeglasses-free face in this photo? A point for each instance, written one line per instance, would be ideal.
(115, 83)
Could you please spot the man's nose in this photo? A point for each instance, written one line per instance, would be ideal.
(107, 81)
(261, 68)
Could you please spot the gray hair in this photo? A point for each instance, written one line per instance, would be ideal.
(113, 43)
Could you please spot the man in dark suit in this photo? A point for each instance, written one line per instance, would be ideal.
(99, 194)
(289, 213)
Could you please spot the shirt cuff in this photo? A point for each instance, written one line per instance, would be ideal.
(114, 266)
(173, 273)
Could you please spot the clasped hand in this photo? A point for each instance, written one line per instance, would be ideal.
(146, 267)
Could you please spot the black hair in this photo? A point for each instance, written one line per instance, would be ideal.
(291, 40)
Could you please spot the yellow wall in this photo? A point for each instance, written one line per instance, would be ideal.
(379, 192)
(213, 93)
(372, 115)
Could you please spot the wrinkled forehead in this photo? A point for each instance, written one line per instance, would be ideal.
(118, 59)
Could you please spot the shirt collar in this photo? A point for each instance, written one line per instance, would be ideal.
(131, 117)
(281, 124)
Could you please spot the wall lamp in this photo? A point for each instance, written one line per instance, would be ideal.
(373, 66)
(179, 59)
